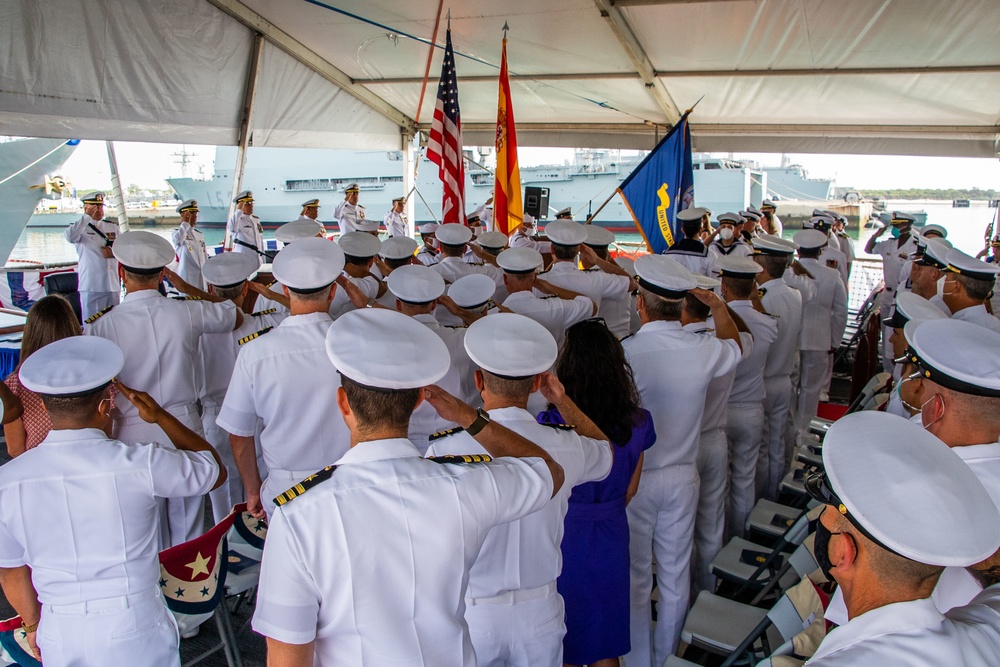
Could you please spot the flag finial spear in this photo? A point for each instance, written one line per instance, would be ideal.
(449, 18)
(505, 29)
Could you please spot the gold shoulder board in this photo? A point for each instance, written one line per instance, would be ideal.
(461, 458)
(96, 316)
(255, 334)
(444, 434)
(303, 486)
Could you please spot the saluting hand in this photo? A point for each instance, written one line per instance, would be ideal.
(149, 410)
(707, 297)
(552, 389)
(448, 407)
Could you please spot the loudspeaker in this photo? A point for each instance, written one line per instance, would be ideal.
(536, 202)
(65, 283)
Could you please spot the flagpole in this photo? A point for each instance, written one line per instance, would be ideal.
(601, 207)
(430, 58)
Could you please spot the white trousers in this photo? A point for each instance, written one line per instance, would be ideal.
(813, 365)
(231, 493)
(771, 459)
(181, 519)
(661, 522)
(92, 303)
(744, 422)
(128, 630)
(511, 632)
(710, 522)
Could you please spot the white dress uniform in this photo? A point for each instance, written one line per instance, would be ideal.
(98, 275)
(189, 244)
(735, 249)
(894, 256)
(81, 510)
(745, 414)
(320, 227)
(824, 318)
(342, 303)
(593, 283)
(453, 268)
(978, 315)
(785, 304)
(159, 337)
(286, 379)
(520, 239)
(846, 244)
(551, 312)
(217, 354)
(713, 467)
(427, 257)
(263, 303)
(347, 216)
(395, 224)
(406, 599)
(673, 369)
(835, 259)
(247, 229)
(514, 613)
(978, 625)
(694, 259)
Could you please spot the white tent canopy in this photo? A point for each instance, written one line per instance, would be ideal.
(869, 76)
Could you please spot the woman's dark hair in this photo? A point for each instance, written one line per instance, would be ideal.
(593, 368)
(51, 318)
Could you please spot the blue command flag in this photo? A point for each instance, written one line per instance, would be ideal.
(660, 186)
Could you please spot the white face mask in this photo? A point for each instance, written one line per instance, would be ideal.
(940, 287)
(726, 233)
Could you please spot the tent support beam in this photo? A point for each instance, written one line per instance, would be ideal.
(811, 130)
(118, 197)
(630, 42)
(249, 96)
(313, 61)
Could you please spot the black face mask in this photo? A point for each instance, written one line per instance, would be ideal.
(822, 549)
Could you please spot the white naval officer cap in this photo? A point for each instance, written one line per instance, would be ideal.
(359, 244)
(188, 205)
(922, 242)
(598, 236)
(730, 266)
(308, 265)
(428, 228)
(809, 239)
(310, 203)
(74, 365)
(626, 263)
(398, 247)
(768, 244)
(767, 203)
(750, 215)
(935, 254)
(691, 214)
(520, 260)
(957, 355)
(730, 218)
(297, 229)
(229, 269)
(704, 282)
(415, 283)
(902, 218)
(933, 229)
(664, 277)
(492, 240)
(912, 307)
(511, 345)
(566, 232)
(385, 349)
(822, 223)
(966, 265)
(143, 252)
(453, 234)
(367, 226)
(244, 196)
(472, 291)
(565, 213)
(904, 489)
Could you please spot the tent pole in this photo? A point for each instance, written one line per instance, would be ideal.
(117, 198)
(244, 139)
(409, 179)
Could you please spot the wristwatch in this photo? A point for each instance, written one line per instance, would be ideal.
(482, 419)
(28, 629)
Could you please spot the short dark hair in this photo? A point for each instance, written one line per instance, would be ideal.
(565, 252)
(310, 295)
(232, 292)
(509, 388)
(358, 261)
(741, 288)
(691, 228)
(976, 288)
(375, 407)
(810, 253)
(452, 250)
(774, 265)
(145, 279)
(696, 308)
(658, 308)
(396, 263)
(78, 407)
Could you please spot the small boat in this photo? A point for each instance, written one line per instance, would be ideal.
(960, 203)
(920, 215)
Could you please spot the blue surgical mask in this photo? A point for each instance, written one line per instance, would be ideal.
(895, 232)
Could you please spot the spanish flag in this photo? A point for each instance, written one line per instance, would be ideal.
(507, 211)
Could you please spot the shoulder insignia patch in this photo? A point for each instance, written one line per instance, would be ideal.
(761, 292)
(303, 486)
(461, 458)
(626, 337)
(444, 434)
(561, 427)
(255, 334)
(272, 284)
(549, 296)
(264, 312)
(186, 298)
(93, 318)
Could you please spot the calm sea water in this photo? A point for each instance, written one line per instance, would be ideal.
(965, 229)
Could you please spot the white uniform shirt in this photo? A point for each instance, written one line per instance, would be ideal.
(82, 511)
(403, 531)
(519, 239)
(824, 317)
(785, 304)
(696, 262)
(159, 338)
(978, 315)
(804, 285)
(263, 303)
(913, 633)
(347, 216)
(453, 268)
(461, 364)
(593, 283)
(426, 256)
(617, 314)
(247, 229)
(673, 369)
(525, 554)
(286, 379)
(835, 259)
(217, 354)
(719, 388)
(736, 249)
(342, 303)
(978, 626)
(320, 227)
(893, 257)
(749, 383)
(551, 312)
(395, 224)
(192, 253)
(97, 273)
(846, 245)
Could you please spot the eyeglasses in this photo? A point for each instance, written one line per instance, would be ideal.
(818, 487)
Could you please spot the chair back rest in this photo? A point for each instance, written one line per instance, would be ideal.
(797, 533)
(193, 574)
(67, 284)
(802, 560)
(786, 618)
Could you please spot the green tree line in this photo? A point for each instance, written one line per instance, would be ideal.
(928, 193)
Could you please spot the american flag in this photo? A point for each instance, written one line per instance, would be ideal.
(444, 147)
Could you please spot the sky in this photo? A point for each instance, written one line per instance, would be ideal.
(147, 165)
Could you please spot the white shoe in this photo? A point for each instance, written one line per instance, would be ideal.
(191, 632)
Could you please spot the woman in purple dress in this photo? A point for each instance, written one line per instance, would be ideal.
(595, 575)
